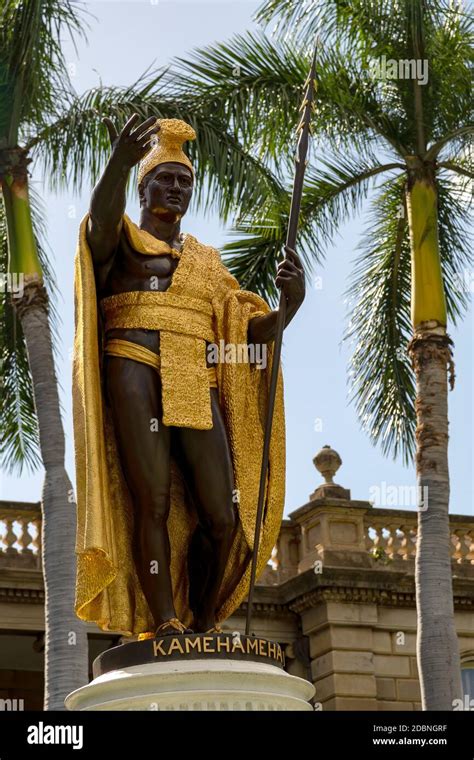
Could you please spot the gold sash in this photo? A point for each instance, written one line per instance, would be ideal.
(185, 324)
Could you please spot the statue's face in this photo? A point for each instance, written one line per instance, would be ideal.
(166, 191)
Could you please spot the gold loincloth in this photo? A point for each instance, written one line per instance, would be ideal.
(126, 349)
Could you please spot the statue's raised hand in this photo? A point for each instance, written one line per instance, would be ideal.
(133, 142)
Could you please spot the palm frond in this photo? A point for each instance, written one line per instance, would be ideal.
(252, 256)
(356, 22)
(19, 443)
(257, 242)
(74, 145)
(455, 243)
(332, 192)
(382, 381)
(229, 178)
(301, 20)
(336, 189)
(449, 50)
(434, 33)
(253, 85)
(463, 168)
(75, 148)
(33, 71)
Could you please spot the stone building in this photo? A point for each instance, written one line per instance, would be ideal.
(338, 595)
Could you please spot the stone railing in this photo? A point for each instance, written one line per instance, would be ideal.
(20, 534)
(392, 533)
(348, 533)
(331, 531)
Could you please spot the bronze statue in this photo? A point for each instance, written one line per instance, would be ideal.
(168, 444)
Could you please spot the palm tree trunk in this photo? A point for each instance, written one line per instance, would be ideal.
(437, 645)
(66, 660)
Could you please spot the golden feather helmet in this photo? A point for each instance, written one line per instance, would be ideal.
(172, 133)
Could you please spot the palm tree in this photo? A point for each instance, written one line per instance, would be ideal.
(406, 142)
(31, 70)
(43, 119)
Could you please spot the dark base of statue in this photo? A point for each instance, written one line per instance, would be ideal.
(220, 671)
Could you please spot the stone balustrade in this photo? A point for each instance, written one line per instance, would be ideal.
(344, 533)
(392, 533)
(333, 530)
(338, 593)
(20, 535)
(330, 530)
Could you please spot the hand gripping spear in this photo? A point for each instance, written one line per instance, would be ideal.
(303, 130)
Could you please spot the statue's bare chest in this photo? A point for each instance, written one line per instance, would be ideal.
(140, 264)
(137, 271)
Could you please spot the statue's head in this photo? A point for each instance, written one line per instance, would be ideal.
(166, 176)
(166, 190)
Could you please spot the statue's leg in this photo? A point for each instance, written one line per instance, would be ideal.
(134, 393)
(206, 458)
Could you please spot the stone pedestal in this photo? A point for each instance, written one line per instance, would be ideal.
(193, 672)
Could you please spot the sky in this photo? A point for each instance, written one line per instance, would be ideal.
(124, 40)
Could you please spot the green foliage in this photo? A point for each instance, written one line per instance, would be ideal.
(242, 97)
(74, 147)
(382, 382)
(33, 72)
(33, 76)
(251, 85)
(19, 443)
(365, 126)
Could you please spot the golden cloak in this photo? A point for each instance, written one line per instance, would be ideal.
(108, 591)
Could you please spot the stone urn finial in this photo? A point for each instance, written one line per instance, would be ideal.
(327, 462)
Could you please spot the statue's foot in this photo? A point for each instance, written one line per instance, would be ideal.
(171, 627)
(207, 626)
(215, 629)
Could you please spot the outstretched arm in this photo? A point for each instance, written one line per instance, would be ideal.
(290, 277)
(109, 195)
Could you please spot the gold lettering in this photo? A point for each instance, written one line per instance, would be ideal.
(190, 644)
(238, 643)
(252, 645)
(223, 643)
(175, 644)
(157, 649)
(207, 641)
(262, 644)
(272, 649)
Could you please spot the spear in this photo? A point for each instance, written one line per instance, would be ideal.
(303, 130)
